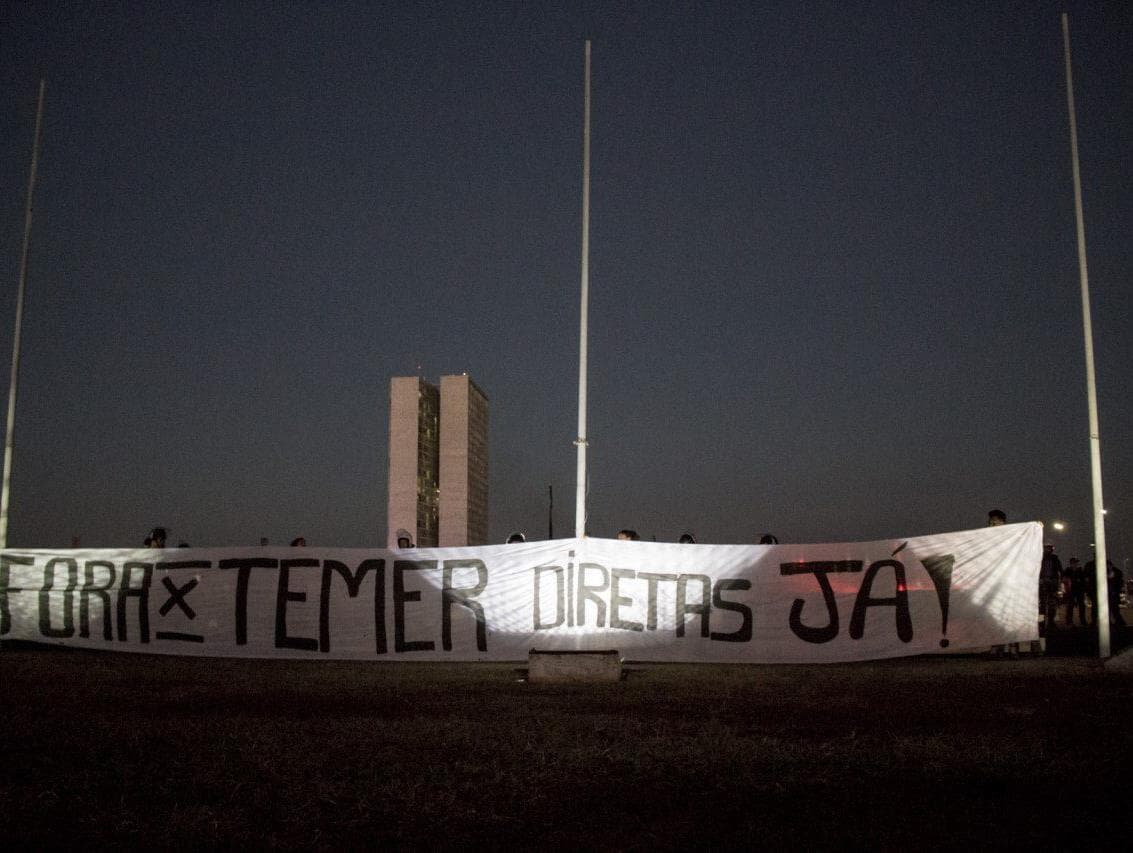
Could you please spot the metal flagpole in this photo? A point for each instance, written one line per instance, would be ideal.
(580, 442)
(10, 436)
(1101, 599)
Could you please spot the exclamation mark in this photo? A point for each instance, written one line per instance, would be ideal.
(940, 570)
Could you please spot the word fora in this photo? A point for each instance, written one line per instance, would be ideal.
(103, 591)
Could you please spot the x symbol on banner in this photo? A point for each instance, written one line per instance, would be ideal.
(177, 597)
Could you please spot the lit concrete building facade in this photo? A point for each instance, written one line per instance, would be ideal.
(438, 462)
(464, 463)
(414, 460)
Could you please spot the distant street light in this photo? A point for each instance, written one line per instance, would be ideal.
(1059, 526)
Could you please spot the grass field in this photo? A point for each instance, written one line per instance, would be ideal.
(122, 750)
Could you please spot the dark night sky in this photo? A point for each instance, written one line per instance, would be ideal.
(834, 283)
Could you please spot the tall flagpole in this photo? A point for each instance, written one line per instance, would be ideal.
(1101, 600)
(10, 436)
(580, 442)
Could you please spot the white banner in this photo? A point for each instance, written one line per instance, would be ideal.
(650, 601)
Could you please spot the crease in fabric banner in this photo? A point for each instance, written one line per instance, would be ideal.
(806, 603)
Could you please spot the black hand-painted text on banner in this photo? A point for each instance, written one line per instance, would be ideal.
(789, 603)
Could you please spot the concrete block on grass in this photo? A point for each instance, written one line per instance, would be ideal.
(574, 667)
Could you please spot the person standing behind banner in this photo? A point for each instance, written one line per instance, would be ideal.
(1090, 571)
(1113, 577)
(1076, 594)
(1115, 580)
(1050, 579)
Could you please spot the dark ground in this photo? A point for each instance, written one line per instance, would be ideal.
(122, 750)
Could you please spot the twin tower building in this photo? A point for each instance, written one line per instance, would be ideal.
(438, 462)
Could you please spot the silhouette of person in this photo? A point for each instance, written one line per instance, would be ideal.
(1115, 580)
(1050, 580)
(1076, 595)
